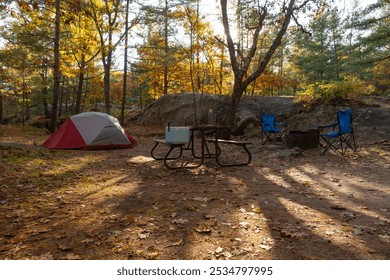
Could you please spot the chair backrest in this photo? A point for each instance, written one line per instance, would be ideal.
(345, 121)
(268, 122)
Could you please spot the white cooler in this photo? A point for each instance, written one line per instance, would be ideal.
(177, 134)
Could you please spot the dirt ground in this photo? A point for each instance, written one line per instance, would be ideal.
(122, 204)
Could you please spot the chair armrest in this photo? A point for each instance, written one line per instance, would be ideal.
(327, 126)
(280, 123)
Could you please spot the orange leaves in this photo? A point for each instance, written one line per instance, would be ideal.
(270, 80)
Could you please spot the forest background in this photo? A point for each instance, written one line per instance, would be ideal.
(62, 57)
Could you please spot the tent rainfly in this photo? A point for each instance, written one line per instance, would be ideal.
(90, 131)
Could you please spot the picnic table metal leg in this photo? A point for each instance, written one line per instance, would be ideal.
(162, 158)
(191, 145)
(171, 160)
(219, 152)
(167, 159)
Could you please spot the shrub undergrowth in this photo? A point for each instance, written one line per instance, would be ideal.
(333, 92)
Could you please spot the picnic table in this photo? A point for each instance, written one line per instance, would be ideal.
(199, 148)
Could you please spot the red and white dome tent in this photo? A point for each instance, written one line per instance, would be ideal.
(90, 131)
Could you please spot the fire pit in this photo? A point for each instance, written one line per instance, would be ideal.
(302, 139)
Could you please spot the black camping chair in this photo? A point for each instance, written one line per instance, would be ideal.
(339, 136)
(270, 129)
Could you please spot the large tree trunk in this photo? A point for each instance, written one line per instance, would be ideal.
(238, 91)
(107, 70)
(1, 103)
(107, 62)
(45, 104)
(165, 88)
(56, 74)
(1, 109)
(80, 86)
(240, 67)
(124, 90)
(79, 92)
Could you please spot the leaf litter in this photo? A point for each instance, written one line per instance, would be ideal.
(77, 205)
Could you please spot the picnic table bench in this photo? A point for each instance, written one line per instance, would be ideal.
(242, 144)
(168, 158)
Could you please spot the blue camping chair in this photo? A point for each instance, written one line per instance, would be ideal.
(270, 129)
(339, 136)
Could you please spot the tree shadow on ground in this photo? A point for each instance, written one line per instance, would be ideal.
(123, 205)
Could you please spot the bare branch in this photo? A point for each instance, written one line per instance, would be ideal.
(300, 26)
(252, 51)
(229, 39)
(276, 43)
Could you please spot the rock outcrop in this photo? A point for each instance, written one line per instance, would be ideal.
(371, 121)
(179, 109)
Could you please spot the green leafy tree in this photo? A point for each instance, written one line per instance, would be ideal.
(28, 27)
(318, 52)
(375, 46)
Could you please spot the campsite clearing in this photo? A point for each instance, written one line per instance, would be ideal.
(122, 204)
